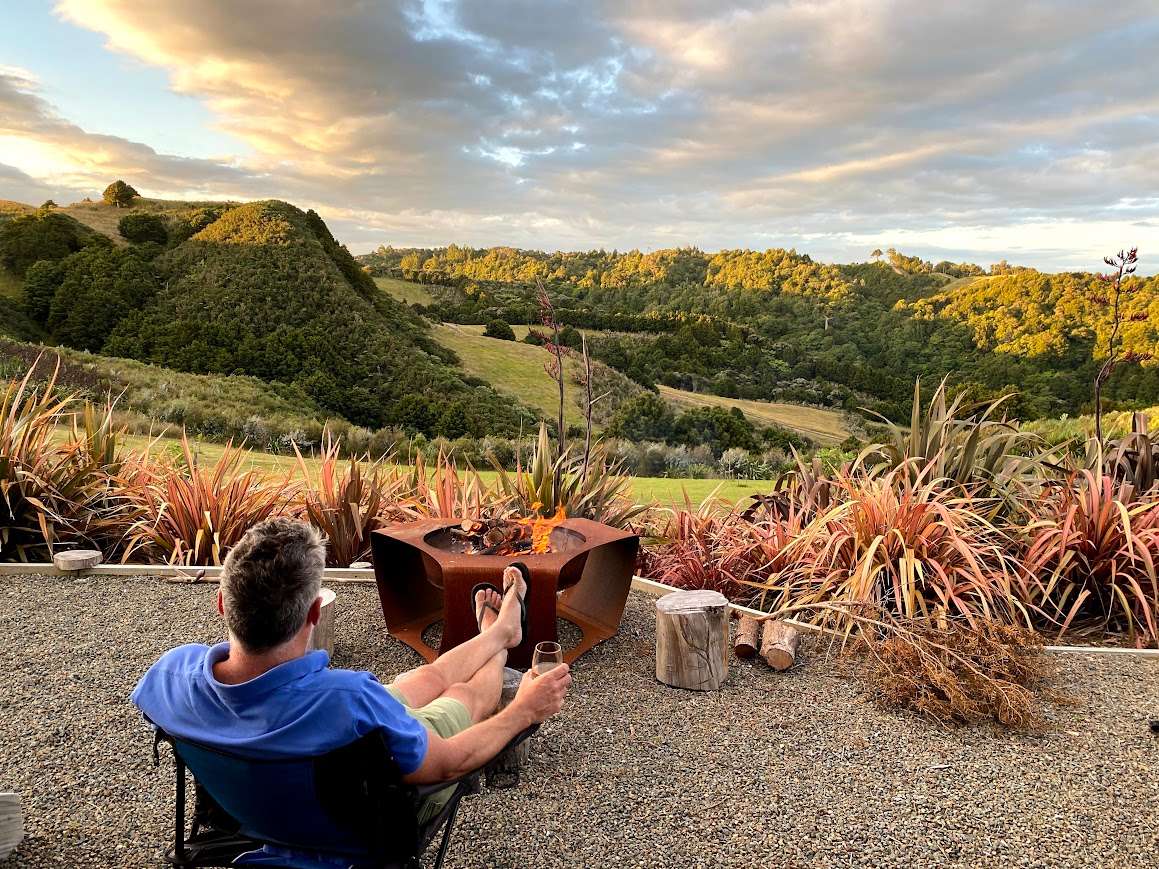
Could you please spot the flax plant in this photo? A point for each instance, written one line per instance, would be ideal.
(193, 515)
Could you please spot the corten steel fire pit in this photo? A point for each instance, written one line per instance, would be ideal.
(421, 579)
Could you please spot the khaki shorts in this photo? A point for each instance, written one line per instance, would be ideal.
(445, 716)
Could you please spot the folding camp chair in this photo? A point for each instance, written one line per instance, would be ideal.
(349, 807)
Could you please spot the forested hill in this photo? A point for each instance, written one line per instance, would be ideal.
(777, 325)
(260, 289)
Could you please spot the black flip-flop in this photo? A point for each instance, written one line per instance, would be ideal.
(483, 586)
(523, 569)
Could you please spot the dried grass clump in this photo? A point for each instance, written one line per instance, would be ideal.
(957, 673)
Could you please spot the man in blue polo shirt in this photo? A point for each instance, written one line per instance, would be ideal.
(264, 695)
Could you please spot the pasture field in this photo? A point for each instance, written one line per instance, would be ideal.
(517, 369)
(405, 291)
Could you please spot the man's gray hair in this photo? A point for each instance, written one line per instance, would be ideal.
(269, 580)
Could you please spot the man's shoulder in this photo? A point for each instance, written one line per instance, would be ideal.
(191, 656)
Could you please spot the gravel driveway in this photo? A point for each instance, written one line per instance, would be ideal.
(788, 770)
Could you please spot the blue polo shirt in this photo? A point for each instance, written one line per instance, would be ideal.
(297, 709)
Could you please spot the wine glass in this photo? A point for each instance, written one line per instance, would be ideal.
(547, 656)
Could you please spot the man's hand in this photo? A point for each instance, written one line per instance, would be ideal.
(542, 696)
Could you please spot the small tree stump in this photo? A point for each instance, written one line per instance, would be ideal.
(692, 640)
(779, 645)
(77, 559)
(748, 631)
(503, 771)
(11, 824)
(323, 637)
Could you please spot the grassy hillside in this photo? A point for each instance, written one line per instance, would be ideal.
(265, 290)
(826, 427)
(212, 404)
(405, 291)
(104, 218)
(10, 208)
(516, 369)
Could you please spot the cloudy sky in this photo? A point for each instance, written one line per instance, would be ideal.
(1027, 130)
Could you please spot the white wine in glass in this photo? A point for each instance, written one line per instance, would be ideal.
(547, 656)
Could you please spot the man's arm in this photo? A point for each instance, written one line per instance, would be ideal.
(536, 701)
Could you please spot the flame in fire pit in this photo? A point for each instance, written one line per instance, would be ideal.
(541, 527)
(531, 534)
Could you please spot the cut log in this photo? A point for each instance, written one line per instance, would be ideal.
(692, 640)
(77, 559)
(503, 771)
(748, 632)
(779, 643)
(323, 637)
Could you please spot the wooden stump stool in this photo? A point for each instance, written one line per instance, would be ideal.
(692, 639)
(323, 637)
(503, 771)
(76, 559)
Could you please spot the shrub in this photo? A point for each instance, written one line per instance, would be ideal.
(551, 483)
(346, 506)
(913, 550)
(194, 515)
(143, 227)
(54, 489)
(963, 446)
(499, 329)
(1094, 549)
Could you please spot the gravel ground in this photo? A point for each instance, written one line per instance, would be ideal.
(795, 770)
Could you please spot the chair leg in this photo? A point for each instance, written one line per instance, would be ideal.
(179, 819)
(447, 834)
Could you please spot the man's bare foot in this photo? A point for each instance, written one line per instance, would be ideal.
(487, 603)
(514, 589)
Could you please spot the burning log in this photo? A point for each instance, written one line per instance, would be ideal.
(506, 537)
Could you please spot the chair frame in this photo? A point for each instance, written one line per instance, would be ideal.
(210, 846)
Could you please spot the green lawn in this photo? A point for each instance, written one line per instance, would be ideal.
(405, 291)
(644, 489)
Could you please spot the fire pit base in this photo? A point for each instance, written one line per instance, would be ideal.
(420, 583)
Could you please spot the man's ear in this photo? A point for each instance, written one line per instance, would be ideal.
(315, 612)
(220, 602)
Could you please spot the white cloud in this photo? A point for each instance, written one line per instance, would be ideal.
(825, 125)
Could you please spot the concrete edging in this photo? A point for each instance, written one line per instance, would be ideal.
(363, 575)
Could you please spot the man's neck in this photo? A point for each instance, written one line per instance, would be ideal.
(243, 665)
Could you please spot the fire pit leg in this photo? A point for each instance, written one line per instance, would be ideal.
(596, 603)
(410, 602)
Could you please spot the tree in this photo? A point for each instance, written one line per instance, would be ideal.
(49, 205)
(498, 329)
(42, 235)
(119, 194)
(99, 286)
(143, 227)
(646, 417)
(40, 284)
(876, 253)
(1112, 305)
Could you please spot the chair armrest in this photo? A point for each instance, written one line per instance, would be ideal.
(519, 738)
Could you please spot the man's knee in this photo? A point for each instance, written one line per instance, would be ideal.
(433, 679)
